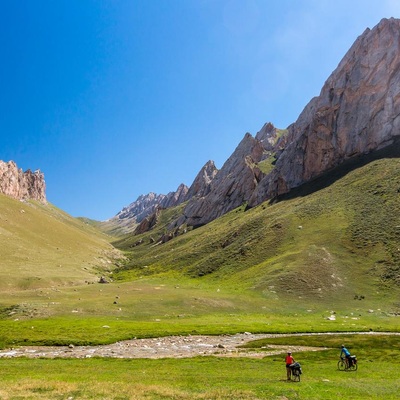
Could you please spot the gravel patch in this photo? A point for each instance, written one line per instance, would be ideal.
(164, 347)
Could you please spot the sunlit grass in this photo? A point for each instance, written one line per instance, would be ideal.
(43, 247)
(328, 246)
(99, 314)
(209, 377)
(321, 263)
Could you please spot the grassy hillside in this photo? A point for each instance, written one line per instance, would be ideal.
(325, 261)
(42, 247)
(112, 226)
(337, 244)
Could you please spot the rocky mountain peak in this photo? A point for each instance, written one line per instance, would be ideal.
(357, 111)
(201, 184)
(230, 186)
(140, 211)
(268, 136)
(21, 185)
(175, 198)
(141, 207)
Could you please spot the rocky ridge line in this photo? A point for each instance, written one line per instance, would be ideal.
(21, 185)
(356, 113)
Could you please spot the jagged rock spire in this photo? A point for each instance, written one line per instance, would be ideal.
(21, 185)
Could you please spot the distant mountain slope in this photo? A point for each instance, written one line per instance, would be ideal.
(334, 243)
(132, 215)
(41, 246)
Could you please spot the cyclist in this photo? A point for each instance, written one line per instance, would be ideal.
(346, 354)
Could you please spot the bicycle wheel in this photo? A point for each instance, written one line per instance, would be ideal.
(341, 365)
(353, 367)
(296, 375)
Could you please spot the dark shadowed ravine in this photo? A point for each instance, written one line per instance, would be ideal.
(170, 347)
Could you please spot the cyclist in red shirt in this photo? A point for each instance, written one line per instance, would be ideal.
(289, 361)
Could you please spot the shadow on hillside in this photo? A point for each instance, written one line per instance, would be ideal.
(330, 177)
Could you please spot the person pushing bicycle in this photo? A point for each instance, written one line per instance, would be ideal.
(289, 360)
(346, 354)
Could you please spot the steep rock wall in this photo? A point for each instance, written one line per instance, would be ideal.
(21, 185)
(357, 111)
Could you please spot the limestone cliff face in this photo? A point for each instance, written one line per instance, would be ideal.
(357, 112)
(21, 185)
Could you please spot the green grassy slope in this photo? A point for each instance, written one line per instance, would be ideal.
(325, 261)
(338, 244)
(41, 246)
(111, 226)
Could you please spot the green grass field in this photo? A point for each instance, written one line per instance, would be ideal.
(323, 262)
(160, 307)
(326, 261)
(212, 377)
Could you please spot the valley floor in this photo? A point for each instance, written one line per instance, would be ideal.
(169, 347)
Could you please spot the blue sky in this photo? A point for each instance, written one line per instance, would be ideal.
(114, 99)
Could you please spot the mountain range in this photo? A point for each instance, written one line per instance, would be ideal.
(356, 114)
(308, 212)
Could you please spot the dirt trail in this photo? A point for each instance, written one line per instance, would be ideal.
(168, 347)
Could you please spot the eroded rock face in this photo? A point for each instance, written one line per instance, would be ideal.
(21, 185)
(235, 182)
(148, 223)
(357, 111)
(202, 183)
(173, 199)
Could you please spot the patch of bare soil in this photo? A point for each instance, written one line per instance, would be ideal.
(165, 347)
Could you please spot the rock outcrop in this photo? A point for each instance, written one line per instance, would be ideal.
(148, 223)
(202, 183)
(173, 199)
(357, 112)
(215, 192)
(21, 185)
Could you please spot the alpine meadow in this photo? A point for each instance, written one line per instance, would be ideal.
(294, 242)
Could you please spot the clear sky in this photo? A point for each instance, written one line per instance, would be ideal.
(112, 99)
